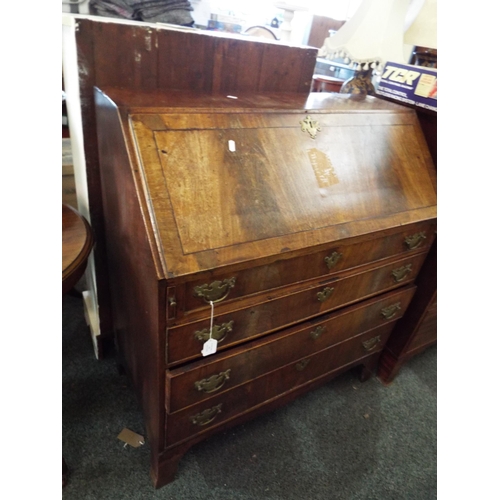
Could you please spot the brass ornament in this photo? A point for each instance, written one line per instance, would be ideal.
(391, 311)
(415, 240)
(219, 332)
(401, 273)
(302, 364)
(213, 383)
(206, 416)
(332, 259)
(369, 345)
(216, 291)
(323, 295)
(310, 126)
(317, 332)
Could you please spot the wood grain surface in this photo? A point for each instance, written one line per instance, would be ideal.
(368, 169)
(77, 242)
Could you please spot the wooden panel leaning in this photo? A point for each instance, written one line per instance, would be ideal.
(142, 56)
(295, 224)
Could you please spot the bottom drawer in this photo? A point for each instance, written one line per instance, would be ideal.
(196, 419)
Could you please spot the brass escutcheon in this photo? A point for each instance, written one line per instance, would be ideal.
(213, 383)
(317, 332)
(369, 345)
(219, 332)
(206, 416)
(390, 311)
(415, 240)
(302, 364)
(323, 295)
(216, 291)
(332, 259)
(401, 273)
(310, 126)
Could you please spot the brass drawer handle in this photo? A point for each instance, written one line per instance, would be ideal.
(213, 383)
(302, 364)
(415, 240)
(401, 273)
(219, 332)
(216, 291)
(332, 259)
(317, 332)
(390, 311)
(322, 296)
(369, 345)
(206, 416)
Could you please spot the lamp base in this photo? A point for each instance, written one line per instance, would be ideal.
(360, 83)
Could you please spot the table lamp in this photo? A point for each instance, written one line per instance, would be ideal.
(422, 32)
(373, 36)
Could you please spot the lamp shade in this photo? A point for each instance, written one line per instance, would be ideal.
(373, 35)
(423, 30)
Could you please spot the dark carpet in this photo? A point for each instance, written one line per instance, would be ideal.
(347, 440)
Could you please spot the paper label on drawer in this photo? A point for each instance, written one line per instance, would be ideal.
(323, 168)
(209, 347)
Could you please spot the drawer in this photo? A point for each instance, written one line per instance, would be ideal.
(207, 414)
(203, 379)
(229, 286)
(185, 342)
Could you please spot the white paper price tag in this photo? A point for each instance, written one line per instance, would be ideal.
(209, 347)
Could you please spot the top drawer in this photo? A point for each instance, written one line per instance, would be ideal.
(226, 286)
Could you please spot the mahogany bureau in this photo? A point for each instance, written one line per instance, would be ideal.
(286, 229)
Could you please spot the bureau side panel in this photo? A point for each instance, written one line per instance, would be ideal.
(136, 288)
(399, 346)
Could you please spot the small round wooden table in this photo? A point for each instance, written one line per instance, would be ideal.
(77, 242)
(325, 83)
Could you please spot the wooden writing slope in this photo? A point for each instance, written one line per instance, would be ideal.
(303, 220)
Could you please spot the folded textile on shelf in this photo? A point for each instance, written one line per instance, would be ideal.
(166, 11)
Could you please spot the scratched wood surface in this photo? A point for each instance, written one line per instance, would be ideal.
(366, 169)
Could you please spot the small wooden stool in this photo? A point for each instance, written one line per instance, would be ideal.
(324, 83)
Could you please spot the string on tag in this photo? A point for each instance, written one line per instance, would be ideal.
(210, 346)
(211, 319)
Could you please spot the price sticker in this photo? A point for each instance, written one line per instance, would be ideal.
(209, 347)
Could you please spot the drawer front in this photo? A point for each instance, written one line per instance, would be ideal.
(201, 380)
(207, 414)
(226, 287)
(185, 342)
